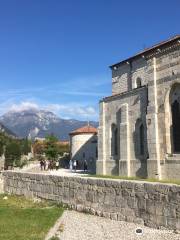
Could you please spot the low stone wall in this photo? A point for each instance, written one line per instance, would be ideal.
(153, 204)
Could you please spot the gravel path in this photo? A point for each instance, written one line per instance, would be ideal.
(80, 226)
(35, 168)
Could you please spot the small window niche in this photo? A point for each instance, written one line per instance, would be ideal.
(138, 82)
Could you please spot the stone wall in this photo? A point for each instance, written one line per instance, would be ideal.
(84, 146)
(154, 204)
(127, 111)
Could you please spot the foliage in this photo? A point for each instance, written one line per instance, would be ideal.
(4, 140)
(62, 148)
(51, 149)
(13, 154)
(25, 146)
(38, 147)
(24, 219)
(13, 149)
(1, 148)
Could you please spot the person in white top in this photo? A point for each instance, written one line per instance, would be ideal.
(75, 165)
(71, 165)
(57, 165)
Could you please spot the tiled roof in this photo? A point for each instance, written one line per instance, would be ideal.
(84, 130)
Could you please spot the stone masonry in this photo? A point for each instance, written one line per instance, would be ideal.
(139, 126)
(153, 204)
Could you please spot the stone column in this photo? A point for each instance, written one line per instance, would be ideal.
(101, 162)
(124, 162)
(153, 163)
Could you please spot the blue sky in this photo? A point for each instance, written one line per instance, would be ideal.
(54, 54)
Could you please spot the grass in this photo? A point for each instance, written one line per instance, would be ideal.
(22, 219)
(171, 181)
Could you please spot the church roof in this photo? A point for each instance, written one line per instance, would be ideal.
(84, 130)
(150, 50)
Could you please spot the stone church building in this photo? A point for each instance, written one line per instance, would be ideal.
(139, 132)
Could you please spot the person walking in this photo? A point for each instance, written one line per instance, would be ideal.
(41, 164)
(45, 164)
(75, 165)
(71, 165)
(85, 165)
(57, 165)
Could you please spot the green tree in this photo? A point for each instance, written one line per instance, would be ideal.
(13, 154)
(25, 146)
(51, 149)
(38, 148)
(2, 146)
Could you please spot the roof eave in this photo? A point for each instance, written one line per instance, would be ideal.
(146, 51)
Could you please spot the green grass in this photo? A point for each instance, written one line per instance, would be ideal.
(22, 219)
(171, 181)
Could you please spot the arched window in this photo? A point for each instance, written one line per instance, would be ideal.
(96, 152)
(114, 140)
(141, 139)
(176, 125)
(138, 82)
(175, 120)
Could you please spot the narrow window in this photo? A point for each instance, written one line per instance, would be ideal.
(96, 152)
(114, 140)
(138, 82)
(176, 125)
(141, 138)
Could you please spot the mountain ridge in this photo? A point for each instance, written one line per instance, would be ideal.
(34, 123)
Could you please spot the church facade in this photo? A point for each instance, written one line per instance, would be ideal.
(139, 128)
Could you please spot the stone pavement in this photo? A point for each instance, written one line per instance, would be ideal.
(81, 226)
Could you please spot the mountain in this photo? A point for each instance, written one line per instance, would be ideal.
(6, 131)
(38, 123)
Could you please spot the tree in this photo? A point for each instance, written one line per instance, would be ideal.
(51, 149)
(38, 148)
(2, 145)
(13, 154)
(4, 140)
(63, 148)
(25, 146)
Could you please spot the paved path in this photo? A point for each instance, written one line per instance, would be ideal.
(35, 168)
(80, 226)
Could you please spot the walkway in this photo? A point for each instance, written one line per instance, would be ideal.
(80, 226)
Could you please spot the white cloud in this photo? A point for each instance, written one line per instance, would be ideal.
(73, 110)
(23, 106)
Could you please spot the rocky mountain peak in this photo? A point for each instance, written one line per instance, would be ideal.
(38, 123)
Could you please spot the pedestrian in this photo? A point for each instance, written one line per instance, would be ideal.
(71, 165)
(57, 165)
(45, 164)
(85, 165)
(41, 164)
(75, 165)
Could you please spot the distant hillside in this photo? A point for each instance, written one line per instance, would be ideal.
(6, 131)
(38, 123)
